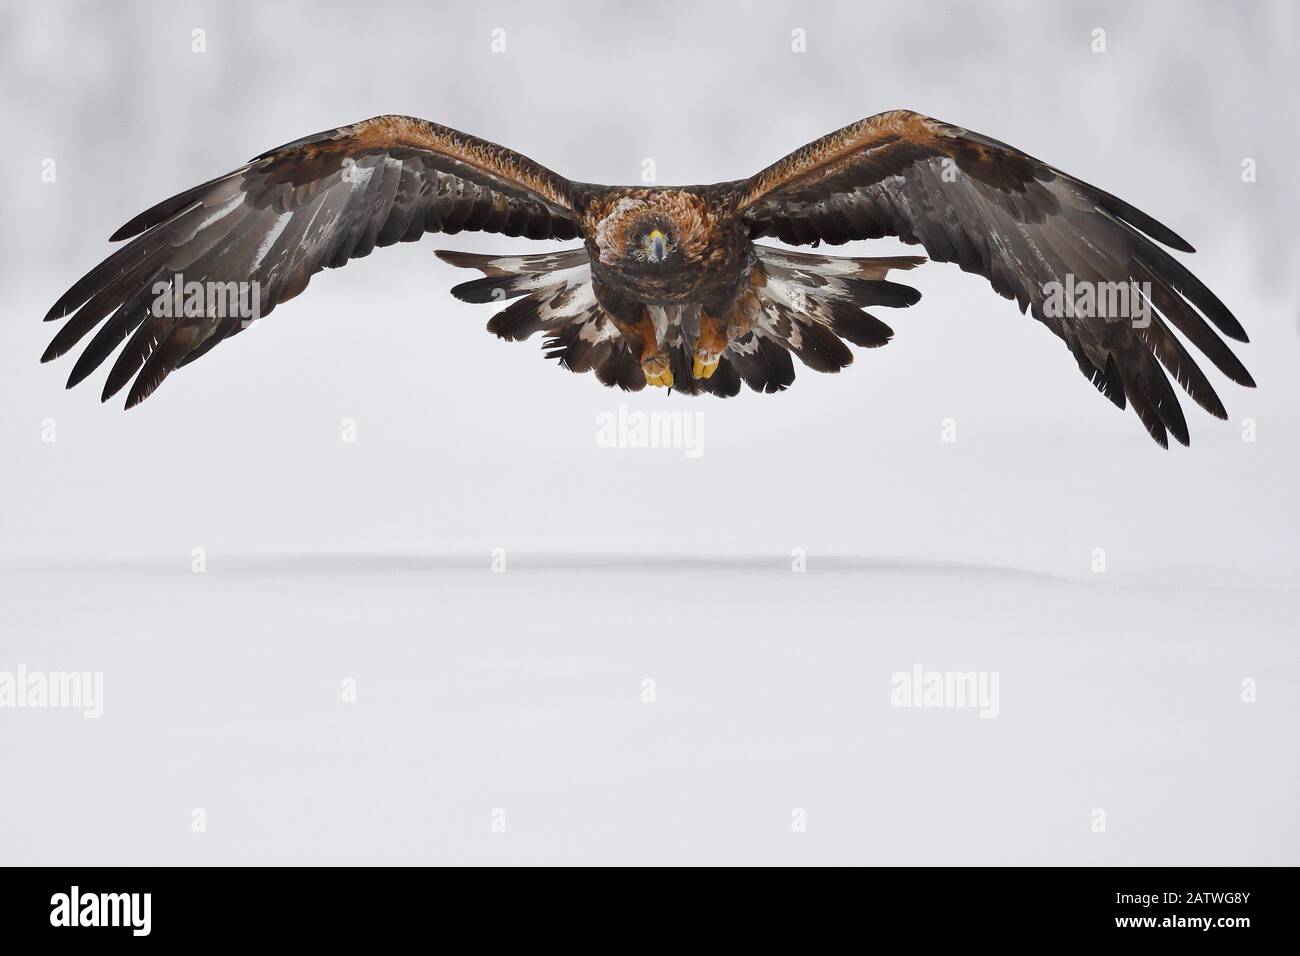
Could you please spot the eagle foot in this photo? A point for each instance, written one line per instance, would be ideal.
(705, 364)
(657, 370)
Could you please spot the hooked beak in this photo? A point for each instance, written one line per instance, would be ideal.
(657, 245)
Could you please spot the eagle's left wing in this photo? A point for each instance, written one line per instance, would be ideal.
(1036, 233)
(262, 231)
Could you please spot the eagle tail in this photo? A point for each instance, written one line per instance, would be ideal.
(552, 293)
(810, 305)
(796, 303)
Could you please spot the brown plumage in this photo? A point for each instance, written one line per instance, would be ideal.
(669, 286)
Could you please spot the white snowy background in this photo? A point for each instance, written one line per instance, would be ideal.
(370, 561)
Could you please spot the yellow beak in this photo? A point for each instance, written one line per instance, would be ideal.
(657, 243)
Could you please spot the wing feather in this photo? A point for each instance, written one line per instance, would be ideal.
(276, 221)
(1023, 225)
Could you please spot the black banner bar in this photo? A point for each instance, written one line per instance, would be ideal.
(1170, 906)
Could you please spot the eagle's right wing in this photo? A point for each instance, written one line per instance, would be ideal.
(312, 204)
(1035, 232)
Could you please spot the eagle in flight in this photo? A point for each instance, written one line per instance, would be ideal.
(670, 286)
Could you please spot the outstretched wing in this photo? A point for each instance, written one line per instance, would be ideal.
(202, 261)
(1039, 235)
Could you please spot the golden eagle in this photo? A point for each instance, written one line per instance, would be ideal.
(669, 287)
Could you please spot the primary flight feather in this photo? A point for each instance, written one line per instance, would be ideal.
(669, 287)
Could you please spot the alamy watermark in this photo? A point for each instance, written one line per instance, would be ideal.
(178, 299)
(1113, 301)
(969, 690)
(22, 689)
(75, 908)
(629, 429)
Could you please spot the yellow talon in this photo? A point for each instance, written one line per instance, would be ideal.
(706, 363)
(658, 371)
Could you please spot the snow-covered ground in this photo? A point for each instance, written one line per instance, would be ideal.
(523, 693)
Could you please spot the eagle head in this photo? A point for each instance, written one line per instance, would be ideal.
(643, 232)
